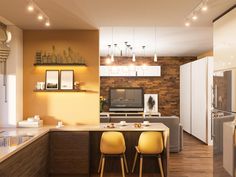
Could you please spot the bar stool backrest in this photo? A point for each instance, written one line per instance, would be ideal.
(112, 143)
(150, 143)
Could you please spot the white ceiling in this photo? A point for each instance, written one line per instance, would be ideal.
(168, 15)
(170, 41)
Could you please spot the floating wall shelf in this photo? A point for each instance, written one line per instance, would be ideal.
(59, 64)
(74, 90)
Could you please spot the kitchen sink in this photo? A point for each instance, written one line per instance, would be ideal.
(10, 141)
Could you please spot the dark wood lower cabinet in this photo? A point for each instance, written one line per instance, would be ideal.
(69, 154)
(31, 161)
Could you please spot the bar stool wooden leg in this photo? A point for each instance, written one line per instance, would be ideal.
(100, 163)
(160, 166)
(126, 165)
(135, 160)
(141, 166)
(122, 166)
(103, 164)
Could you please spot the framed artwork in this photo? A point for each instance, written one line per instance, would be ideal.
(151, 103)
(52, 80)
(67, 79)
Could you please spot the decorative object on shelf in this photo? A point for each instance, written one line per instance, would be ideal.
(40, 86)
(68, 57)
(102, 103)
(52, 80)
(5, 38)
(77, 85)
(67, 79)
(150, 103)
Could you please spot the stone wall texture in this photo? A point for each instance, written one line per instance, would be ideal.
(167, 85)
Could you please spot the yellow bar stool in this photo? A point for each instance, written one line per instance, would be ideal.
(149, 143)
(112, 144)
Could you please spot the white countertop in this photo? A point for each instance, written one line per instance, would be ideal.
(6, 152)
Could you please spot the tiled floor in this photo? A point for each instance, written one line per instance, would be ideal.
(194, 161)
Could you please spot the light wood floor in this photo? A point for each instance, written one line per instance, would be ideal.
(196, 160)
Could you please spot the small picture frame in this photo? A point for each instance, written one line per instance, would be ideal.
(67, 80)
(151, 103)
(52, 80)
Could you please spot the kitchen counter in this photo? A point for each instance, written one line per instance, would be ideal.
(6, 152)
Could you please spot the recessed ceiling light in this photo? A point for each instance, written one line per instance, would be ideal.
(40, 17)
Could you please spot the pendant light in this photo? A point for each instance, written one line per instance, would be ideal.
(112, 52)
(144, 53)
(133, 53)
(108, 59)
(155, 54)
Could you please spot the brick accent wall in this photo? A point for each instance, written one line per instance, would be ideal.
(167, 85)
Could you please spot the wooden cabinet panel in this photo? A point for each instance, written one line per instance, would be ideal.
(31, 161)
(69, 153)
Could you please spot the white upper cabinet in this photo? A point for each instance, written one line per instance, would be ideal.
(130, 71)
(225, 41)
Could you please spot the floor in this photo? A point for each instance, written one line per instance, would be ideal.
(194, 161)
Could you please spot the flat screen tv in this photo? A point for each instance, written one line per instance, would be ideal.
(126, 99)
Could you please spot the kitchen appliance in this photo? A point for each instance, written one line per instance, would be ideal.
(224, 109)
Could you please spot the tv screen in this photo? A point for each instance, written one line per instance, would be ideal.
(126, 99)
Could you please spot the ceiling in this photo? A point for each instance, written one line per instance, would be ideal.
(169, 41)
(169, 16)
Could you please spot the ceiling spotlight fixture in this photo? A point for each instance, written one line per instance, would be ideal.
(187, 24)
(204, 8)
(40, 17)
(30, 7)
(194, 17)
(47, 24)
(33, 7)
(195, 12)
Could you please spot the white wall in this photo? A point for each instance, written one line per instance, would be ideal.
(225, 41)
(12, 111)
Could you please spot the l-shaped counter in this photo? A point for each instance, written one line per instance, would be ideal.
(71, 150)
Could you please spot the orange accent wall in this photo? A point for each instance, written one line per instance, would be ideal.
(71, 108)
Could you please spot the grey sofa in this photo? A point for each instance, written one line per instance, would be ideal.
(173, 123)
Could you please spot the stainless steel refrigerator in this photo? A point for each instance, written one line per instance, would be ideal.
(223, 110)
